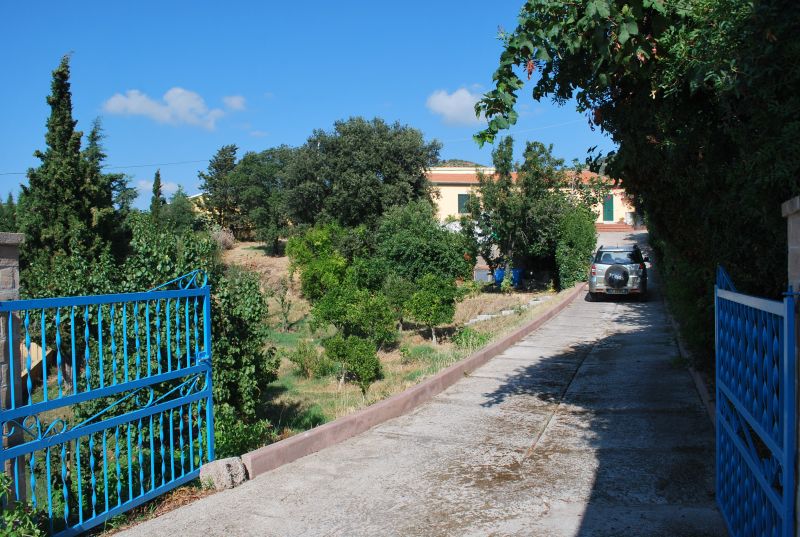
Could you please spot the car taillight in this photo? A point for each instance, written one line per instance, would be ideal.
(642, 266)
(594, 270)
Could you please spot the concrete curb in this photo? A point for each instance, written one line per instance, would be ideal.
(285, 451)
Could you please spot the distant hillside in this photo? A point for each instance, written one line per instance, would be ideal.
(458, 163)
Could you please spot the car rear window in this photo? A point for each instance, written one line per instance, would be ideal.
(623, 258)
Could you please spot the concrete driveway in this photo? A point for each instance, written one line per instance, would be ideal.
(589, 426)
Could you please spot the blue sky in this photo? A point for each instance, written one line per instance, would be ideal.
(174, 81)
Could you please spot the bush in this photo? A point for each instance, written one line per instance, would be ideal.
(577, 239)
(19, 519)
(434, 303)
(243, 364)
(357, 357)
(234, 436)
(307, 359)
(357, 312)
(469, 339)
(417, 353)
(223, 237)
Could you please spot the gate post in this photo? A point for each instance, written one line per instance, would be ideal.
(10, 359)
(791, 211)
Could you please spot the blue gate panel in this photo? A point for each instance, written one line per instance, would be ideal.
(118, 411)
(756, 416)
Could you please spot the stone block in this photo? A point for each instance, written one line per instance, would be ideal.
(224, 473)
(9, 278)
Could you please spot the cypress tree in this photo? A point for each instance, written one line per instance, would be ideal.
(217, 188)
(157, 201)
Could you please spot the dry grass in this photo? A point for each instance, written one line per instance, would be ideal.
(487, 303)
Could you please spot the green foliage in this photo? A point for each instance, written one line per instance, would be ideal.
(243, 364)
(68, 206)
(219, 196)
(8, 215)
(469, 339)
(315, 255)
(412, 242)
(357, 357)
(357, 312)
(356, 172)
(19, 519)
(398, 291)
(697, 96)
(308, 360)
(417, 353)
(577, 239)
(179, 215)
(157, 200)
(434, 303)
(234, 436)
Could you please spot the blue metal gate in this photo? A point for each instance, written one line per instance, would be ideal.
(756, 421)
(117, 409)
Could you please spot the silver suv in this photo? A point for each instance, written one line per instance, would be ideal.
(618, 270)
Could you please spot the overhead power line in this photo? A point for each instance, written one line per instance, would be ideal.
(130, 166)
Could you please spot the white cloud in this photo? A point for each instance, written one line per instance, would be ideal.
(234, 102)
(258, 134)
(177, 106)
(145, 187)
(457, 108)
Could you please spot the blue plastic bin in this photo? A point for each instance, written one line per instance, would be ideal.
(516, 276)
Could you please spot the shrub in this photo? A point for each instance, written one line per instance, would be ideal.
(242, 362)
(234, 436)
(434, 303)
(469, 339)
(416, 353)
(357, 312)
(306, 357)
(19, 519)
(577, 239)
(223, 237)
(357, 357)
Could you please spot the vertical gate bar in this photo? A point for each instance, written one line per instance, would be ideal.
(147, 331)
(48, 478)
(80, 485)
(125, 341)
(44, 358)
(141, 460)
(161, 447)
(118, 466)
(130, 462)
(177, 333)
(100, 370)
(74, 358)
(717, 418)
(207, 348)
(12, 378)
(196, 334)
(790, 421)
(199, 434)
(32, 466)
(64, 483)
(113, 344)
(138, 342)
(152, 458)
(171, 448)
(191, 437)
(93, 478)
(86, 356)
(28, 383)
(188, 332)
(158, 334)
(180, 436)
(169, 338)
(105, 468)
(59, 376)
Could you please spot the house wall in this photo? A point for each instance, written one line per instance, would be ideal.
(621, 208)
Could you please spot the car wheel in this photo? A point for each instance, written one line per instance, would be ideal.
(592, 297)
(643, 296)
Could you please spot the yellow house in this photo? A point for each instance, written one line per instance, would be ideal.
(454, 185)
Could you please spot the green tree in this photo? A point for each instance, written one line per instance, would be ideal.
(218, 193)
(434, 303)
(157, 200)
(357, 312)
(689, 92)
(8, 214)
(357, 359)
(411, 242)
(356, 172)
(179, 213)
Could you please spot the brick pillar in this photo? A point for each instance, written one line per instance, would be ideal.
(791, 211)
(9, 344)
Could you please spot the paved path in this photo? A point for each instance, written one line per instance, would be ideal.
(586, 427)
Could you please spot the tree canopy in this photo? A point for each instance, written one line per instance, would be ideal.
(354, 173)
(701, 99)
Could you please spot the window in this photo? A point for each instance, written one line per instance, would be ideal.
(462, 203)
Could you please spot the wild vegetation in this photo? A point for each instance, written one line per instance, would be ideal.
(701, 99)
